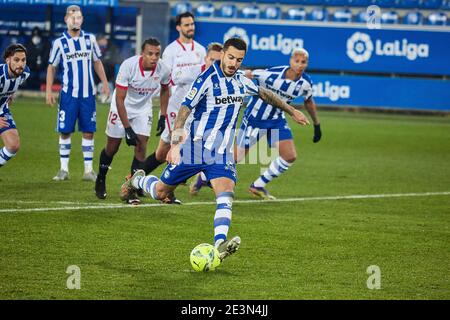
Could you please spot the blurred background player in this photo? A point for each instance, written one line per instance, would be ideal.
(205, 142)
(262, 119)
(13, 73)
(185, 57)
(130, 116)
(76, 50)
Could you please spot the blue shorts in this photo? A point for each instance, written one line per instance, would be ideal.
(9, 118)
(251, 131)
(71, 109)
(174, 175)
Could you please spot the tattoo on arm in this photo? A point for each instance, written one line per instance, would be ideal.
(274, 100)
(178, 132)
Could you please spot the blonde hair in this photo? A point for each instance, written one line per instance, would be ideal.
(300, 51)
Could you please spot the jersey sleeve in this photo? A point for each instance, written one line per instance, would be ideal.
(251, 88)
(96, 49)
(198, 90)
(124, 75)
(55, 54)
(307, 90)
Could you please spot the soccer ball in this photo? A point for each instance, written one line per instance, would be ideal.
(205, 257)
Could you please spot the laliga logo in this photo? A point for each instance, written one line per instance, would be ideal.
(360, 48)
(270, 43)
(332, 92)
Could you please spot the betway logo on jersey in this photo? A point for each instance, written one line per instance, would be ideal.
(271, 42)
(78, 55)
(229, 100)
(360, 48)
(332, 92)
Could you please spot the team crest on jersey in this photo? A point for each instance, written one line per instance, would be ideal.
(192, 93)
(216, 86)
(88, 42)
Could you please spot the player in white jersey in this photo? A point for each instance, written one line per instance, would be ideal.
(130, 115)
(185, 57)
(12, 74)
(74, 51)
(203, 137)
(262, 119)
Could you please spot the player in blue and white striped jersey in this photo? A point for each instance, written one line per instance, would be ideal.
(261, 119)
(202, 139)
(78, 54)
(12, 74)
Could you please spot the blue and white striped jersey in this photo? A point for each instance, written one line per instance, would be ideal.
(9, 86)
(76, 55)
(215, 101)
(274, 80)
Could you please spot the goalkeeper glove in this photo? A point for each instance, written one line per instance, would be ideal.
(131, 137)
(317, 133)
(161, 125)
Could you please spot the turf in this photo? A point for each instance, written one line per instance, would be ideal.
(312, 249)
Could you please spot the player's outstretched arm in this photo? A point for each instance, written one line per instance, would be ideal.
(100, 70)
(310, 106)
(49, 97)
(274, 100)
(163, 105)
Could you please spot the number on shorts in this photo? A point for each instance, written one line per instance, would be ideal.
(113, 117)
(62, 116)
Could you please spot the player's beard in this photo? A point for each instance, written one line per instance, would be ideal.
(17, 72)
(189, 35)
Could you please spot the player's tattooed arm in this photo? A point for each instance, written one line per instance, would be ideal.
(274, 100)
(178, 132)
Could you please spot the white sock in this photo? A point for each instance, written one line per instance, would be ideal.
(276, 168)
(88, 153)
(64, 152)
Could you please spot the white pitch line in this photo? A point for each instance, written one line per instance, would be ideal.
(116, 206)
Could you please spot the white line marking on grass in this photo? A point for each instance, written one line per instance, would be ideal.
(120, 206)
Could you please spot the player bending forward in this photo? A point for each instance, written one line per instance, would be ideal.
(202, 139)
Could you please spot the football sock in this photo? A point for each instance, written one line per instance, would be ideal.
(5, 155)
(88, 153)
(222, 218)
(276, 168)
(136, 165)
(148, 184)
(105, 162)
(151, 163)
(64, 153)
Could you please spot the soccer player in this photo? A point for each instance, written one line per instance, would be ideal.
(12, 74)
(130, 116)
(262, 119)
(203, 136)
(76, 50)
(185, 57)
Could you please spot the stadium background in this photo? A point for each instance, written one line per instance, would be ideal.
(374, 191)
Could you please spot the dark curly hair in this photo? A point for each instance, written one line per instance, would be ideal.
(12, 49)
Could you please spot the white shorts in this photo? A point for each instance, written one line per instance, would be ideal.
(141, 124)
(172, 111)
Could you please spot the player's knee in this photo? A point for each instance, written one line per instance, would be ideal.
(290, 158)
(14, 147)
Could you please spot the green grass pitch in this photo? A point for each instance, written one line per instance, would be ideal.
(315, 245)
